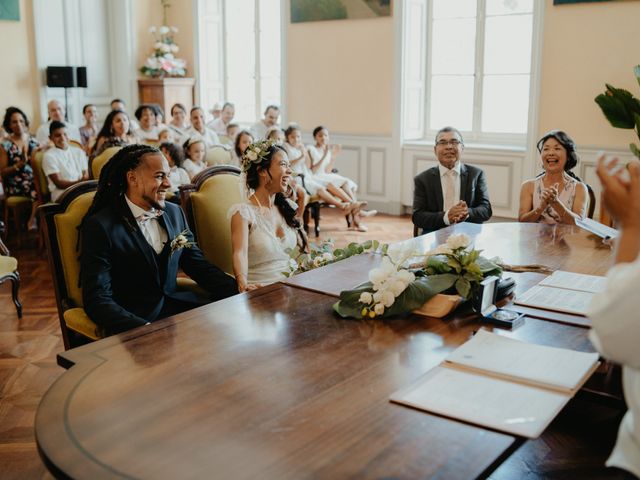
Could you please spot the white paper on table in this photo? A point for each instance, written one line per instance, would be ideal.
(549, 367)
(603, 231)
(557, 299)
(576, 281)
(499, 404)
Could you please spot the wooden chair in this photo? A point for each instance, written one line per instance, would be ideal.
(9, 271)
(218, 155)
(61, 220)
(98, 162)
(206, 202)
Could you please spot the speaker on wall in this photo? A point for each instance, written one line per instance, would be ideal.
(81, 77)
(60, 77)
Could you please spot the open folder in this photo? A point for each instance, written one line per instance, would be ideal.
(501, 383)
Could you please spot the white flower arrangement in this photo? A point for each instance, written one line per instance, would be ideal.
(394, 289)
(162, 61)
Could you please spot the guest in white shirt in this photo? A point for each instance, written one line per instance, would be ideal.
(198, 128)
(614, 312)
(195, 151)
(177, 175)
(216, 110)
(232, 132)
(178, 124)
(148, 119)
(63, 165)
(220, 124)
(56, 112)
(260, 128)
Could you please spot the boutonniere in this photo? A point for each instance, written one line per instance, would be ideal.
(181, 241)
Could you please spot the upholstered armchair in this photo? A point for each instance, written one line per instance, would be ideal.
(98, 162)
(218, 155)
(9, 271)
(206, 202)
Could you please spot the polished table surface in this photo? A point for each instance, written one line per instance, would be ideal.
(272, 384)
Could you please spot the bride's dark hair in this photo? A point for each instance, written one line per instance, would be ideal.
(285, 207)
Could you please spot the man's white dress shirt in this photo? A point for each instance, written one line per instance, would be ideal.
(450, 181)
(151, 229)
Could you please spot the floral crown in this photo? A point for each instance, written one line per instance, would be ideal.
(256, 153)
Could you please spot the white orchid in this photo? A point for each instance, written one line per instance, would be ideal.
(440, 250)
(378, 309)
(388, 298)
(459, 240)
(164, 30)
(366, 298)
(253, 156)
(400, 253)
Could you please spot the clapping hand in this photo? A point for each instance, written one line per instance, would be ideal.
(459, 212)
(549, 195)
(336, 149)
(621, 198)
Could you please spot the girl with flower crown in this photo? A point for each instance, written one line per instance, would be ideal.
(263, 228)
(195, 151)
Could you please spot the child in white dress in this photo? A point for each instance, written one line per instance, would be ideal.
(195, 151)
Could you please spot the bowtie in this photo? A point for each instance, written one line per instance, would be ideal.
(150, 215)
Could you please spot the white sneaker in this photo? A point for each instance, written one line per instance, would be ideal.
(368, 213)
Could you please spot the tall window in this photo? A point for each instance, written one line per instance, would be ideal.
(468, 64)
(240, 54)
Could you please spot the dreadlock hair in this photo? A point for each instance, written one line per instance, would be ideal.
(286, 207)
(112, 183)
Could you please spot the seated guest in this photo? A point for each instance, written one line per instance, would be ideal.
(242, 141)
(259, 129)
(89, 131)
(219, 125)
(178, 124)
(147, 116)
(613, 313)
(198, 128)
(56, 112)
(216, 110)
(451, 192)
(232, 132)
(63, 165)
(276, 134)
(118, 104)
(195, 151)
(299, 159)
(557, 195)
(322, 158)
(132, 247)
(175, 157)
(264, 227)
(165, 135)
(15, 160)
(115, 132)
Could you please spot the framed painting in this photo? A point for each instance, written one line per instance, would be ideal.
(319, 10)
(10, 10)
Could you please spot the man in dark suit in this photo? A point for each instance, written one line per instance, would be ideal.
(451, 192)
(133, 244)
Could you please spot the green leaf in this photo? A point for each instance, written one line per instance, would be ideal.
(636, 72)
(338, 252)
(453, 263)
(463, 286)
(634, 149)
(349, 304)
(418, 292)
(367, 244)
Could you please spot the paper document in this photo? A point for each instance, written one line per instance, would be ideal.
(558, 299)
(535, 364)
(576, 281)
(598, 228)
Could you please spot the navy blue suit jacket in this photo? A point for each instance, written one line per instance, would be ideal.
(428, 202)
(125, 284)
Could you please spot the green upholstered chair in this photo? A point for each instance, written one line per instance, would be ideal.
(218, 155)
(98, 162)
(9, 271)
(206, 202)
(61, 220)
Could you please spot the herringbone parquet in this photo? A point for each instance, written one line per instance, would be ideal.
(584, 432)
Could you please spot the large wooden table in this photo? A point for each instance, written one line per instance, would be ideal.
(272, 384)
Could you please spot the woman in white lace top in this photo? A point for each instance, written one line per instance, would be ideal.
(264, 227)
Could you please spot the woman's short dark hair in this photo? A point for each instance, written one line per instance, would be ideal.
(567, 142)
(142, 108)
(318, 129)
(178, 106)
(176, 153)
(236, 145)
(88, 105)
(6, 122)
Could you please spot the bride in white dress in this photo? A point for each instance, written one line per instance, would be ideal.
(264, 227)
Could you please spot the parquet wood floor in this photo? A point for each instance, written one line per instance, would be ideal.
(586, 432)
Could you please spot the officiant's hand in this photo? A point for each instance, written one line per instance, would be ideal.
(621, 198)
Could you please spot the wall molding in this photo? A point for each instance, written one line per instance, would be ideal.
(371, 190)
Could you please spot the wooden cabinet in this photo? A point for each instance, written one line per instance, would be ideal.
(166, 91)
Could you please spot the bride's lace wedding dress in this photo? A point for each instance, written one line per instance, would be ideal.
(267, 256)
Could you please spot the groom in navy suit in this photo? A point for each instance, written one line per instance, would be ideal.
(133, 243)
(451, 192)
